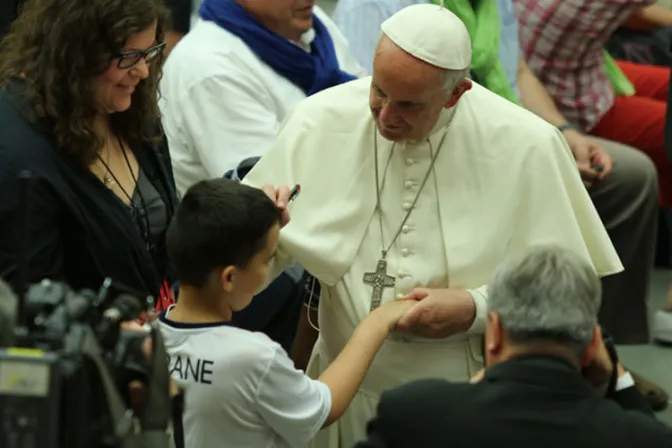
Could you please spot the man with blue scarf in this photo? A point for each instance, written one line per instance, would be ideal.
(233, 79)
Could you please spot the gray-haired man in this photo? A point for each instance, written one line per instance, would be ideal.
(545, 362)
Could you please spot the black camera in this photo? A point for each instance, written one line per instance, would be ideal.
(64, 380)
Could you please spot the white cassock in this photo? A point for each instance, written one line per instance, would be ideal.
(504, 181)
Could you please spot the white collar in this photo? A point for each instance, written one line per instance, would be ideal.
(441, 123)
(444, 119)
(306, 40)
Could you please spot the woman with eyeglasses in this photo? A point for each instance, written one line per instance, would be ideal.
(78, 111)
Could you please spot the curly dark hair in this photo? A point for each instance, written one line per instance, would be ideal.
(59, 47)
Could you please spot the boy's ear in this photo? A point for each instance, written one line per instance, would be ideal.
(227, 277)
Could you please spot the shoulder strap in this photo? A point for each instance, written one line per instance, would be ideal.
(178, 428)
(121, 417)
(155, 415)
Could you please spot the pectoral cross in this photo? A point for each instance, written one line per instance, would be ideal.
(379, 280)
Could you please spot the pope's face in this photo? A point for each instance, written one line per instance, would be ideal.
(402, 115)
(288, 18)
(407, 94)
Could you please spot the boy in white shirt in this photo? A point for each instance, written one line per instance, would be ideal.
(241, 388)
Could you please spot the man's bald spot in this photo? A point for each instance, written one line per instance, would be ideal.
(389, 56)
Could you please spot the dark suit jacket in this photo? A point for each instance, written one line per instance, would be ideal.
(530, 402)
(79, 231)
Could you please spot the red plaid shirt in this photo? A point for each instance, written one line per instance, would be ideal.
(563, 43)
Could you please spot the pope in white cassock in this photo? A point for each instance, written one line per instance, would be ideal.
(417, 181)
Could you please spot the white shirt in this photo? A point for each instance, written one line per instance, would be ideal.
(360, 20)
(195, 8)
(221, 104)
(624, 381)
(241, 389)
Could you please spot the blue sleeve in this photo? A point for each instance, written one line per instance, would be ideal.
(360, 21)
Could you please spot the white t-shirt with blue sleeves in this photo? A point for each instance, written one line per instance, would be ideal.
(241, 389)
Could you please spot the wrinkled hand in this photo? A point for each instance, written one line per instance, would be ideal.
(598, 372)
(440, 314)
(588, 154)
(280, 196)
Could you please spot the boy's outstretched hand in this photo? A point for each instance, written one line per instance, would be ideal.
(392, 312)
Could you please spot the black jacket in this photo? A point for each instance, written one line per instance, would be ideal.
(79, 231)
(8, 12)
(180, 12)
(529, 402)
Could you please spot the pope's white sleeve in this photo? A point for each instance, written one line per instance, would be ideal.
(281, 261)
(228, 119)
(480, 296)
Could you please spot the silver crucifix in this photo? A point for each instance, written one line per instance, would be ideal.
(379, 280)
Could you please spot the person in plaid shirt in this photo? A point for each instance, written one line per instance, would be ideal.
(563, 43)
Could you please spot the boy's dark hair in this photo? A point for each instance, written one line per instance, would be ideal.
(219, 223)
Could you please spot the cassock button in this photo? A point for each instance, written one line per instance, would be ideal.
(409, 184)
(410, 162)
(407, 206)
(406, 228)
(405, 252)
(400, 296)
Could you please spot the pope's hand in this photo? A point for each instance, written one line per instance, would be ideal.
(280, 196)
(440, 314)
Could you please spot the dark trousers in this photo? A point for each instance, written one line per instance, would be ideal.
(628, 206)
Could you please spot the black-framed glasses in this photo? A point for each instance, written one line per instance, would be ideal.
(128, 59)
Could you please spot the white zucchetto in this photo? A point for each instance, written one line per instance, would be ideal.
(432, 34)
